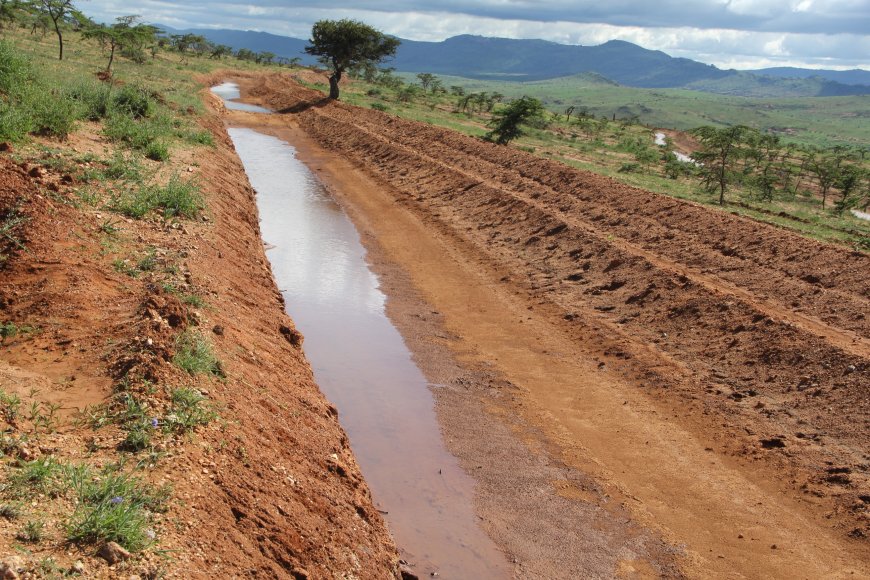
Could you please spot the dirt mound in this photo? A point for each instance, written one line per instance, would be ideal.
(762, 334)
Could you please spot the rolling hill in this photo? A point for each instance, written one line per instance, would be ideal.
(628, 64)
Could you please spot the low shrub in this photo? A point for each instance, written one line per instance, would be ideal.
(194, 354)
(134, 101)
(115, 507)
(190, 409)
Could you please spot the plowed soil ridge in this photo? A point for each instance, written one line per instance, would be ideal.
(761, 332)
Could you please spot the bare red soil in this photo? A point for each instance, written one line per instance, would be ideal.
(755, 337)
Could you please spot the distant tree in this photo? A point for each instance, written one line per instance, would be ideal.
(826, 169)
(219, 51)
(125, 36)
(12, 11)
(765, 152)
(58, 11)
(720, 151)
(457, 91)
(425, 80)
(245, 54)
(849, 182)
(265, 57)
(480, 100)
(408, 94)
(507, 123)
(568, 112)
(344, 44)
(194, 43)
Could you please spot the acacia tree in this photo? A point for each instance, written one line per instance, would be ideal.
(506, 124)
(58, 11)
(125, 36)
(720, 150)
(11, 11)
(346, 44)
(425, 80)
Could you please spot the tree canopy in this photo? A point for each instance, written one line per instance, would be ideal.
(346, 44)
(58, 11)
(506, 123)
(126, 35)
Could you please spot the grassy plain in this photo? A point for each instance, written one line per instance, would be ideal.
(817, 121)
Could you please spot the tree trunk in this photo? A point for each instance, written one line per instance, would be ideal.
(333, 85)
(59, 39)
(111, 59)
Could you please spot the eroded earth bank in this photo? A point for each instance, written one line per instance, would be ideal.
(641, 386)
(100, 302)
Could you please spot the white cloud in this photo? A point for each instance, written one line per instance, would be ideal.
(710, 38)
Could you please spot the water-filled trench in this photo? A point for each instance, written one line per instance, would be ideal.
(363, 366)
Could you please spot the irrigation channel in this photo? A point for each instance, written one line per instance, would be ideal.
(363, 366)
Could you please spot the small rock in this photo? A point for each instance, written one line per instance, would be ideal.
(113, 553)
(78, 567)
(218, 330)
(6, 147)
(135, 577)
(10, 567)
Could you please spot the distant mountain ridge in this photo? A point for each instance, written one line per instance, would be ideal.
(856, 76)
(532, 60)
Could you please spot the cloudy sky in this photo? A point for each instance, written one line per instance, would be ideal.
(728, 33)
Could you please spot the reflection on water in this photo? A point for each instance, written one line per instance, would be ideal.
(229, 92)
(363, 366)
(661, 140)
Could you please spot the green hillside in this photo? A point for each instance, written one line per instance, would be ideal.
(819, 121)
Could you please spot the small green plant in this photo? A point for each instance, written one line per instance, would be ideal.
(115, 506)
(109, 227)
(200, 138)
(9, 234)
(37, 476)
(157, 151)
(138, 437)
(31, 531)
(193, 300)
(149, 262)
(190, 409)
(10, 511)
(124, 167)
(123, 267)
(9, 405)
(194, 354)
(379, 107)
(44, 416)
(179, 197)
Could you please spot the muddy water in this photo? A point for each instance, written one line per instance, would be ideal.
(363, 366)
(660, 140)
(229, 92)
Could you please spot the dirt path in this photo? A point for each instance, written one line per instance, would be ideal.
(706, 371)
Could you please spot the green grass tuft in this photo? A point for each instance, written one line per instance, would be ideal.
(194, 354)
